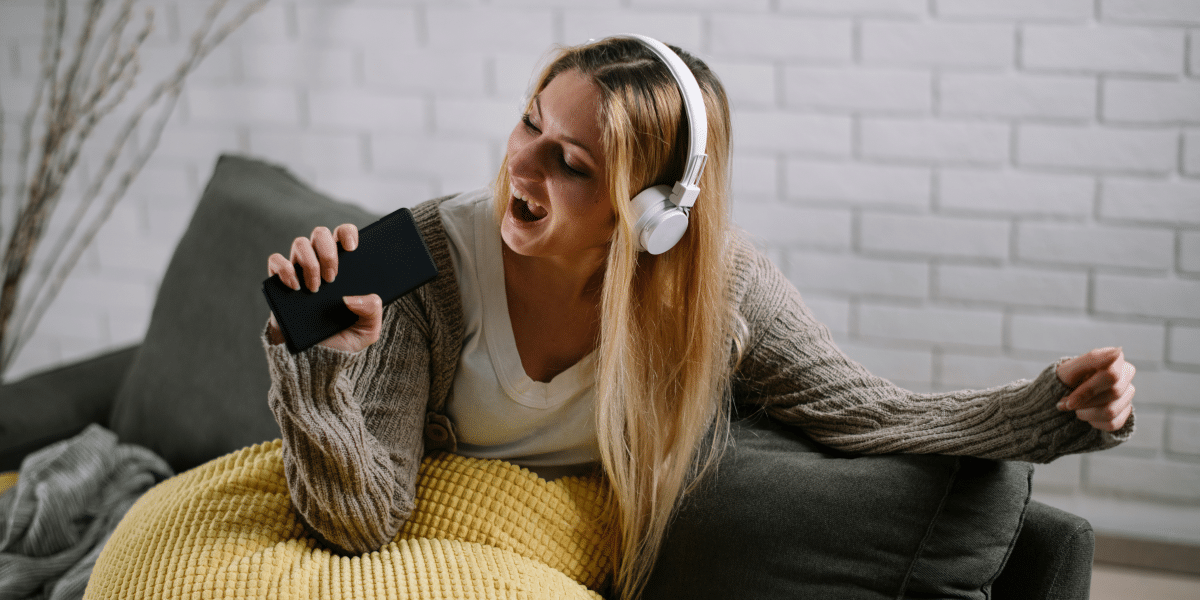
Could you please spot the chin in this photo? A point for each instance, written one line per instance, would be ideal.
(517, 240)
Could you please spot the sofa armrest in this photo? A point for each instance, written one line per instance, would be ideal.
(1052, 558)
(784, 517)
(54, 405)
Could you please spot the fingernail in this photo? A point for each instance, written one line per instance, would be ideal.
(1062, 405)
(351, 301)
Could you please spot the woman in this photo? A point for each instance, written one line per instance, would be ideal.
(549, 340)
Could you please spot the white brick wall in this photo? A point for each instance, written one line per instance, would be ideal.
(963, 190)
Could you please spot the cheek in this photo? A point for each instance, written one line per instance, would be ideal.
(602, 215)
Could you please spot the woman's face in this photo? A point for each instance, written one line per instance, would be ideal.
(558, 204)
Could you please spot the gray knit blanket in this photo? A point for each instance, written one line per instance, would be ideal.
(68, 499)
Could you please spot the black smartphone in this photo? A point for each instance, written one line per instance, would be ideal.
(391, 260)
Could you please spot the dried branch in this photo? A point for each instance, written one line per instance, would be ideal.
(18, 252)
(55, 24)
(100, 61)
(3, 141)
(92, 86)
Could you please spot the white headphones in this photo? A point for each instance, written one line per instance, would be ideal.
(661, 212)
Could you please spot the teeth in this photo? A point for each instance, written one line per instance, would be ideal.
(534, 209)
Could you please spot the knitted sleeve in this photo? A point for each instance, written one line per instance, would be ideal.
(793, 370)
(352, 431)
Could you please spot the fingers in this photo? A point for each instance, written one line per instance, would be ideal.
(1100, 383)
(316, 255)
(366, 330)
(326, 249)
(1103, 382)
(1076, 370)
(366, 307)
(278, 265)
(1110, 416)
(347, 234)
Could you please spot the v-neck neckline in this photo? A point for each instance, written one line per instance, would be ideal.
(502, 343)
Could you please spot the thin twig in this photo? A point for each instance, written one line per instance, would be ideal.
(99, 63)
(3, 141)
(16, 255)
(129, 69)
(66, 105)
(171, 88)
(65, 114)
(53, 28)
(111, 66)
(47, 183)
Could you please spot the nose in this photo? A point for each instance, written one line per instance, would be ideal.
(523, 163)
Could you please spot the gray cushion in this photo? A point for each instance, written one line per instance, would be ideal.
(784, 517)
(198, 385)
(57, 404)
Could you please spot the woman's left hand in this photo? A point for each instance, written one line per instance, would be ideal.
(1102, 389)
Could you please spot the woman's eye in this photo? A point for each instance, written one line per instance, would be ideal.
(528, 122)
(572, 170)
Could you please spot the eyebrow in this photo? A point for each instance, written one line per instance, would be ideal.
(537, 100)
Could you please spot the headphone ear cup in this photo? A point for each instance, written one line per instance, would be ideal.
(658, 223)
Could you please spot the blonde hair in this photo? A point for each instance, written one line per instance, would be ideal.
(666, 321)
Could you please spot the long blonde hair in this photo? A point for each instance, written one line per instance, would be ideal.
(666, 320)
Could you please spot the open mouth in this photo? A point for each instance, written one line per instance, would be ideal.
(522, 211)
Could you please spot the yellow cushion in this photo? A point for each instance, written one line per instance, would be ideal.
(481, 529)
(8, 479)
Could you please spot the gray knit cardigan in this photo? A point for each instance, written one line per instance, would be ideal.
(355, 426)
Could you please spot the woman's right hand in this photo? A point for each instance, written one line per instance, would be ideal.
(317, 255)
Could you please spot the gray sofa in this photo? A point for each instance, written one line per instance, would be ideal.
(781, 517)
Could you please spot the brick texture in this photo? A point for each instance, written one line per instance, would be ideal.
(1066, 336)
(842, 89)
(856, 7)
(1017, 95)
(1152, 151)
(944, 44)
(963, 190)
(858, 183)
(1107, 49)
(1017, 9)
(777, 36)
(816, 134)
(1013, 286)
(1156, 11)
(1189, 251)
(1191, 151)
(931, 326)
(1154, 478)
(938, 236)
(1184, 435)
(1096, 245)
(1151, 201)
(1133, 295)
(1151, 101)
(1185, 345)
(1015, 193)
(930, 140)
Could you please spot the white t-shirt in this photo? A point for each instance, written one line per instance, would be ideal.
(498, 411)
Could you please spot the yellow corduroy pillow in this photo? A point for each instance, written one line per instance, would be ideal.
(8, 480)
(481, 529)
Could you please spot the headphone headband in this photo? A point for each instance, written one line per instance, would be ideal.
(688, 188)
